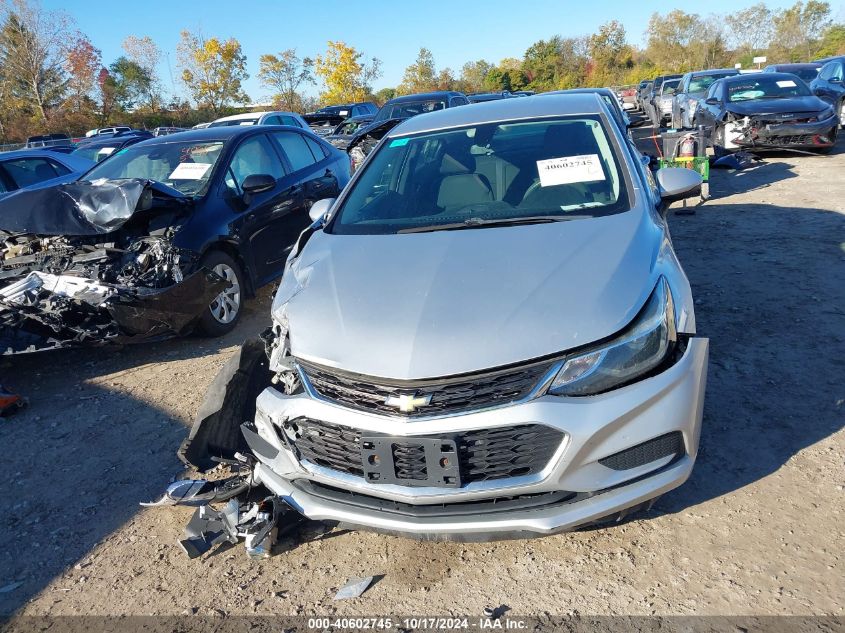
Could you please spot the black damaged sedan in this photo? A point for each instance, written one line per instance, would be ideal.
(160, 239)
(766, 111)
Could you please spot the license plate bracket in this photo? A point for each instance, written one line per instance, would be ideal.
(439, 468)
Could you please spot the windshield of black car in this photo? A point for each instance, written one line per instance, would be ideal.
(807, 74)
(186, 166)
(764, 86)
(561, 168)
(702, 83)
(407, 109)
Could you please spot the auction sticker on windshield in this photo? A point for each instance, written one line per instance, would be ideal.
(570, 169)
(189, 171)
(787, 83)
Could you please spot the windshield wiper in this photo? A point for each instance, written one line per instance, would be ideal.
(481, 223)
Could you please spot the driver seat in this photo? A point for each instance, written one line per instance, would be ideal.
(460, 185)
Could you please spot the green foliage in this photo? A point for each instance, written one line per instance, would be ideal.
(285, 73)
(213, 70)
(420, 76)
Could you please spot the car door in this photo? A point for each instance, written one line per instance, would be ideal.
(311, 167)
(709, 107)
(821, 86)
(262, 217)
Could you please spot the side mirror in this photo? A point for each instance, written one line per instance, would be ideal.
(320, 208)
(677, 183)
(258, 183)
(712, 101)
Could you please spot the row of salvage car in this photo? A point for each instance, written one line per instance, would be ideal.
(784, 106)
(481, 331)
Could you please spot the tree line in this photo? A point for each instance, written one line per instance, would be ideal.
(53, 78)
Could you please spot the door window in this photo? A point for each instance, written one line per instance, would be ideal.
(254, 156)
(272, 120)
(30, 171)
(316, 149)
(827, 71)
(289, 120)
(295, 148)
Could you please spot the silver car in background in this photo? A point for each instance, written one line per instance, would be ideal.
(488, 335)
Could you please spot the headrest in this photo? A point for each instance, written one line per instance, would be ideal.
(457, 161)
(569, 139)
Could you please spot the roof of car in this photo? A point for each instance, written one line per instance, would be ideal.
(801, 65)
(713, 71)
(426, 95)
(220, 133)
(544, 105)
(745, 76)
(246, 116)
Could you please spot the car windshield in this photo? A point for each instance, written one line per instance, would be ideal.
(184, 166)
(95, 153)
(763, 87)
(496, 173)
(407, 109)
(703, 82)
(807, 74)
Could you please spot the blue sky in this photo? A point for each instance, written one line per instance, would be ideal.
(455, 31)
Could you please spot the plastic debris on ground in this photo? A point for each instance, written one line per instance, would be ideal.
(354, 588)
(737, 160)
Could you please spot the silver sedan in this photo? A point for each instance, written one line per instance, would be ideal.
(488, 334)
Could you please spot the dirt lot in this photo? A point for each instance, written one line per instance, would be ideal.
(757, 530)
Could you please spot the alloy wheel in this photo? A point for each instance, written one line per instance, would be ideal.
(227, 304)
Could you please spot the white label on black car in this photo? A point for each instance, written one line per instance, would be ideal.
(570, 169)
(189, 171)
(786, 83)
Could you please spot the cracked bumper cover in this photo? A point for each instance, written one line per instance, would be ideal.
(594, 428)
(815, 134)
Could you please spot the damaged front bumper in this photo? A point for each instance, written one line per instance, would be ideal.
(761, 133)
(614, 452)
(45, 311)
(85, 263)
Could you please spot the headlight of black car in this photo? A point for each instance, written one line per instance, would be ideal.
(641, 348)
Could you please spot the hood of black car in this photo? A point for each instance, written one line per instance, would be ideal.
(792, 105)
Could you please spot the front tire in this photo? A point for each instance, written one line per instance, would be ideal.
(225, 311)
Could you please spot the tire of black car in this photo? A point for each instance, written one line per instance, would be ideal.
(214, 325)
(719, 139)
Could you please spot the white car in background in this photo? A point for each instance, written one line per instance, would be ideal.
(262, 118)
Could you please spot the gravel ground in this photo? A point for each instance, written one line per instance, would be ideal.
(757, 530)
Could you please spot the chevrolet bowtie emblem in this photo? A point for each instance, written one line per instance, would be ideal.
(407, 402)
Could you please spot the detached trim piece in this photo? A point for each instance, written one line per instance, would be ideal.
(647, 452)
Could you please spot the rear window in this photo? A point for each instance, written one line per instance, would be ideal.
(560, 169)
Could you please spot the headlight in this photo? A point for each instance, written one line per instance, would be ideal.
(639, 349)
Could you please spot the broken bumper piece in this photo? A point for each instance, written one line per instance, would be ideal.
(762, 134)
(255, 522)
(46, 311)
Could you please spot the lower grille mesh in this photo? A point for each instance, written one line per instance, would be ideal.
(483, 455)
(647, 452)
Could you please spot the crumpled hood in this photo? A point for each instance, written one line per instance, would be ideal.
(434, 304)
(762, 107)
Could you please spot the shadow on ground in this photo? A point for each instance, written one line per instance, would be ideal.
(81, 456)
(768, 286)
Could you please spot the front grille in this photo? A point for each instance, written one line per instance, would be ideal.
(647, 452)
(483, 455)
(448, 395)
(799, 139)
